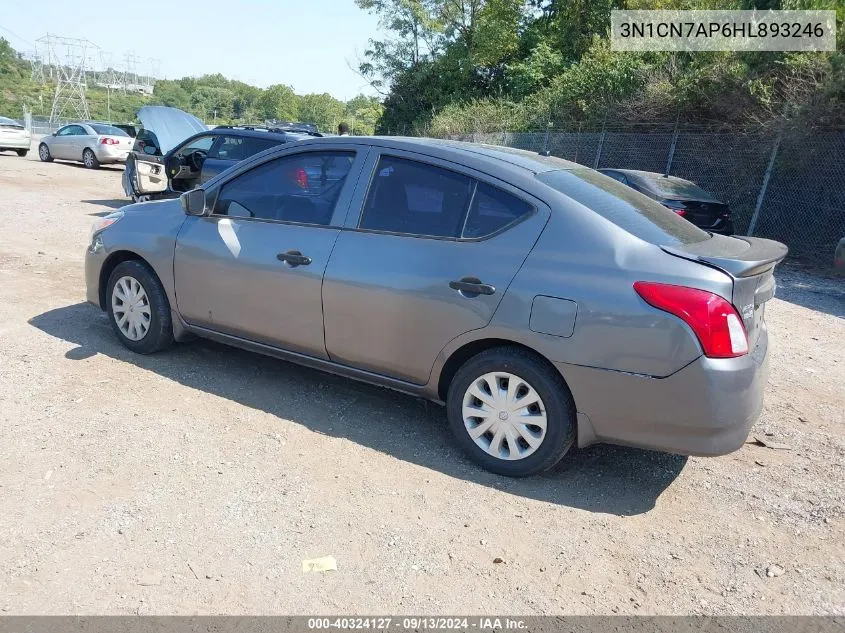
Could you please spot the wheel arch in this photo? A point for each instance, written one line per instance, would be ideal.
(472, 348)
(112, 262)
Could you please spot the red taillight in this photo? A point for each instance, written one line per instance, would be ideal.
(677, 208)
(109, 141)
(302, 178)
(714, 320)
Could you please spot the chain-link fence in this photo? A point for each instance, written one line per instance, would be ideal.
(786, 186)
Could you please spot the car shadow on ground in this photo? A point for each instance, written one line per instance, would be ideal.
(115, 203)
(811, 288)
(606, 479)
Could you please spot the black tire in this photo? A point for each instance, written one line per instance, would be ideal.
(44, 153)
(159, 336)
(22, 152)
(549, 385)
(89, 159)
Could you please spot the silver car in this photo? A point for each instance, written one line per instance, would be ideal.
(545, 304)
(14, 137)
(92, 144)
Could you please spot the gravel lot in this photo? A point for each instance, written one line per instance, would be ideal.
(197, 480)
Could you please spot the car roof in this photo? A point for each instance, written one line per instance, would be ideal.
(460, 151)
(256, 133)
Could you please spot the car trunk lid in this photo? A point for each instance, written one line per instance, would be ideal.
(13, 132)
(750, 261)
(122, 142)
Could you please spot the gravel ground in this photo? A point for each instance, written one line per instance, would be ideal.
(199, 479)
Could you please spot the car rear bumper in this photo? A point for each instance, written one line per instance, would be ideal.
(15, 143)
(108, 154)
(706, 408)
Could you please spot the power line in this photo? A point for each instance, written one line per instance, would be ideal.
(13, 34)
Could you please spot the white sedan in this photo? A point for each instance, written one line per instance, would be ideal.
(92, 144)
(13, 136)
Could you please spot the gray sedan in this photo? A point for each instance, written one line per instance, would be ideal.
(92, 144)
(546, 305)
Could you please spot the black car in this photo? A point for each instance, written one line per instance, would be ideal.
(683, 197)
(175, 152)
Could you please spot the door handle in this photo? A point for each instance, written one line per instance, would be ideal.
(472, 287)
(294, 259)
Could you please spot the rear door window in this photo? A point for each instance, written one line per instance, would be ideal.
(493, 210)
(415, 198)
(625, 207)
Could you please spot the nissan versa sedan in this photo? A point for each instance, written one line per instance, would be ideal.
(546, 305)
(92, 144)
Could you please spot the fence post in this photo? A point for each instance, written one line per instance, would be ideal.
(763, 187)
(672, 148)
(545, 151)
(578, 142)
(601, 142)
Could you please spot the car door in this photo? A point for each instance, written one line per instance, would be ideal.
(254, 268)
(83, 137)
(427, 256)
(62, 144)
(148, 172)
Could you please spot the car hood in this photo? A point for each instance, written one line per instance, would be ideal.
(170, 125)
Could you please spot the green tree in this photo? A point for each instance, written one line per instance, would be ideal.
(321, 109)
(278, 102)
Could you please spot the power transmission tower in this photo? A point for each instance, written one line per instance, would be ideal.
(69, 56)
(37, 65)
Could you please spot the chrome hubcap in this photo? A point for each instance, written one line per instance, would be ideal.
(44, 151)
(131, 308)
(504, 416)
(89, 159)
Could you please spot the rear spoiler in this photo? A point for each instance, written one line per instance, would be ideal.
(737, 256)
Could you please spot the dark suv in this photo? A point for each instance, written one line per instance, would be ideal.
(157, 168)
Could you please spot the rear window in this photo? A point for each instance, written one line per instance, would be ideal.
(111, 130)
(625, 207)
(5, 122)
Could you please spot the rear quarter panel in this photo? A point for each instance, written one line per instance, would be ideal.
(587, 260)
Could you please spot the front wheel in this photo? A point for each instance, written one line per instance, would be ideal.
(22, 152)
(138, 308)
(89, 159)
(511, 412)
(44, 153)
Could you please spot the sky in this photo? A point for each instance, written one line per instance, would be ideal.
(307, 44)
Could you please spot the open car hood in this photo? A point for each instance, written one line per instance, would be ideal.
(170, 125)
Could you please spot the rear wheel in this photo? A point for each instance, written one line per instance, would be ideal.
(511, 412)
(89, 159)
(22, 152)
(44, 153)
(138, 308)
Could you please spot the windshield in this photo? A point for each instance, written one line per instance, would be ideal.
(111, 130)
(625, 207)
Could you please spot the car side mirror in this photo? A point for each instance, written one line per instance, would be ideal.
(194, 202)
